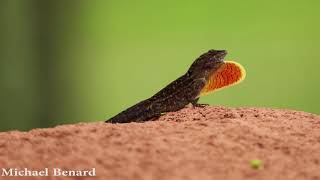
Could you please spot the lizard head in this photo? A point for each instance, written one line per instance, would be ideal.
(207, 63)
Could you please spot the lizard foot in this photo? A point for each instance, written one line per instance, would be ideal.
(200, 105)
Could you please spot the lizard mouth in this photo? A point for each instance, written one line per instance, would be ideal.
(221, 55)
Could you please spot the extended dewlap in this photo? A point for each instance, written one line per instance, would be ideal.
(229, 74)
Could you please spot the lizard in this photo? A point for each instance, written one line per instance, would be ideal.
(208, 73)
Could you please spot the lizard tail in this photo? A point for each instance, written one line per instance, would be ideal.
(137, 113)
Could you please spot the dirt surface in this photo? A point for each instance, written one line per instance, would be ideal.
(193, 143)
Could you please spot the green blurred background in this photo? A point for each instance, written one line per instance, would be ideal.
(78, 61)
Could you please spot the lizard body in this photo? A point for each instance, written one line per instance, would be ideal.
(208, 73)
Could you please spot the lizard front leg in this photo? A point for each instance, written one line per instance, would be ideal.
(196, 104)
(194, 92)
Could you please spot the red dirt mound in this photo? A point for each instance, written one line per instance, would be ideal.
(193, 143)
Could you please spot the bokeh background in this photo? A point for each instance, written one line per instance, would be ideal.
(80, 61)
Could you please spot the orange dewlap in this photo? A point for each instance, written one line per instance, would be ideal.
(229, 74)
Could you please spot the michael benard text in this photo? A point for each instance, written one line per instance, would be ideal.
(46, 172)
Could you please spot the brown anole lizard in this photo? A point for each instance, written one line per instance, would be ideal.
(208, 73)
